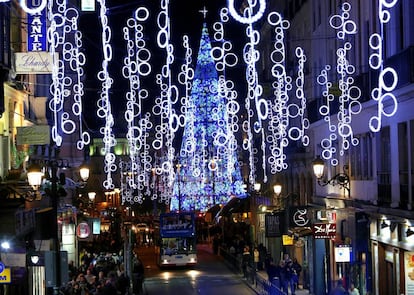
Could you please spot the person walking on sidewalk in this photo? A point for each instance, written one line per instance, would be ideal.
(290, 277)
(283, 276)
(256, 258)
(273, 273)
(297, 268)
(245, 260)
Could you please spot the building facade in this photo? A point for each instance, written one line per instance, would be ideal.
(374, 214)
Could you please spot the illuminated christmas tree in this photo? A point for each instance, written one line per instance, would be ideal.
(208, 171)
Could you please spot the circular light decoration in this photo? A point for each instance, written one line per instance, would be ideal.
(382, 94)
(348, 99)
(136, 65)
(248, 19)
(36, 10)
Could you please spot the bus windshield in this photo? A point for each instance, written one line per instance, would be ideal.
(174, 246)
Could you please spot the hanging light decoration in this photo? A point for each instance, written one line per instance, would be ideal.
(348, 100)
(383, 93)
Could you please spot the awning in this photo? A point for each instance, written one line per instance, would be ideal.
(234, 205)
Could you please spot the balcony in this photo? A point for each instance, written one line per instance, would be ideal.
(403, 63)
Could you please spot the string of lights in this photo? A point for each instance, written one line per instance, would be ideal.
(276, 121)
(383, 93)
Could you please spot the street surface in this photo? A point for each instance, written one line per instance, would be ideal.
(210, 276)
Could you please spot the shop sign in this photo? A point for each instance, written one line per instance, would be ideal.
(87, 5)
(287, 240)
(14, 259)
(34, 62)
(36, 134)
(326, 215)
(299, 217)
(5, 276)
(37, 36)
(324, 230)
(409, 272)
(83, 230)
(274, 225)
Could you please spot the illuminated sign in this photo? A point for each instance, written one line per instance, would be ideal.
(36, 36)
(409, 272)
(5, 276)
(298, 217)
(96, 226)
(287, 240)
(83, 230)
(88, 5)
(324, 230)
(343, 253)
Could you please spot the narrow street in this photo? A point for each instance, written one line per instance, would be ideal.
(209, 276)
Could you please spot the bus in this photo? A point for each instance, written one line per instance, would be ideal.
(177, 240)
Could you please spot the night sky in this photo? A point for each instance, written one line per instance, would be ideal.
(186, 19)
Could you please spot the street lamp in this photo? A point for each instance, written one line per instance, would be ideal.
(84, 171)
(277, 189)
(92, 196)
(342, 179)
(34, 177)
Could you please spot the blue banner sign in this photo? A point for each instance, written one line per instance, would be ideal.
(36, 36)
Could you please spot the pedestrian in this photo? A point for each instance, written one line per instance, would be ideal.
(256, 258)
(297, 269)
(289, 277)
(338, 290)
(283, 276)
(262, 256)
(137, 275)
(245, 260)
(232, 250)
(353, 290)
(273, 274)
(90, 278)
(122, 283)
(268, 260)
(109, 287)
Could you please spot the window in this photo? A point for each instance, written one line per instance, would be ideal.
(361, 158)
(384, 166)
(405, 160)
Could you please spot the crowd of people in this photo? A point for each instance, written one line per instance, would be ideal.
(285, 274)
(104, 275)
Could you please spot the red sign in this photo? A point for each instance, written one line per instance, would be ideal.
(83, 230)
(324, 230)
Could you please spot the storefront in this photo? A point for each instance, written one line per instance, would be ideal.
(392, 245)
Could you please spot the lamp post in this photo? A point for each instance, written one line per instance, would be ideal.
(277, 190)
(342, 179)
(34, 177)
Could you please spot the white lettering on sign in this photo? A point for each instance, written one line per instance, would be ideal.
(36, 34)
(324, 230)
